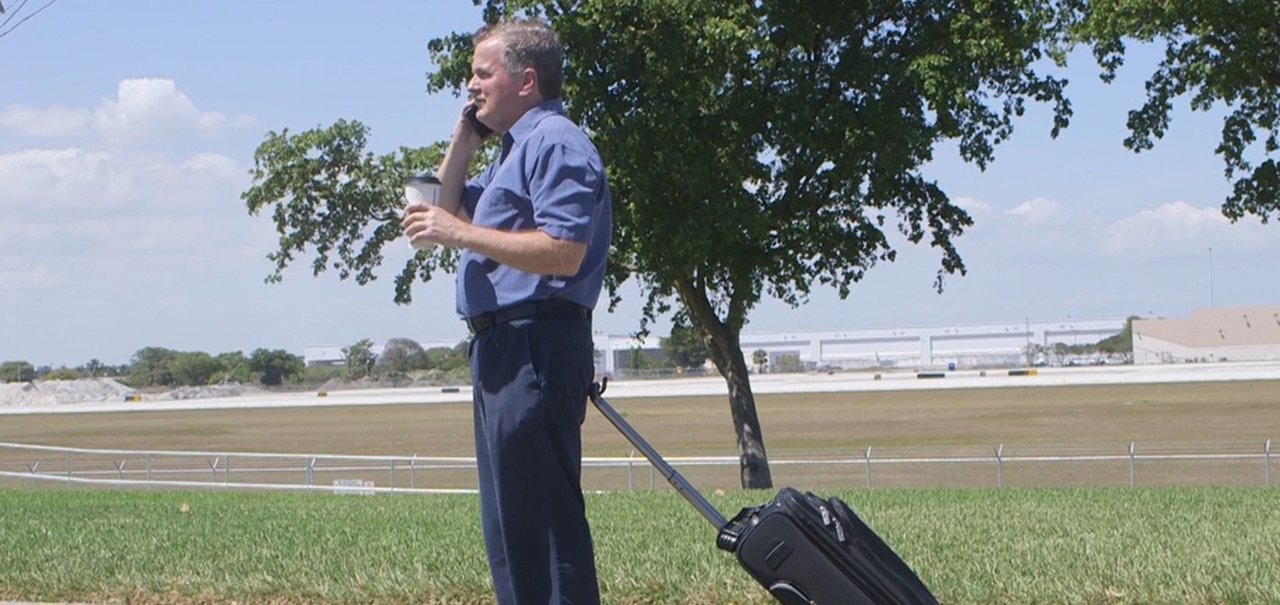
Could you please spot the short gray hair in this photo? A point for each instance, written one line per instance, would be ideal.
(529, 43)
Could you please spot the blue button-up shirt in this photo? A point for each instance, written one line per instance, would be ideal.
(550, 178)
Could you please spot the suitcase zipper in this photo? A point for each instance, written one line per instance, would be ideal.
(804, 514)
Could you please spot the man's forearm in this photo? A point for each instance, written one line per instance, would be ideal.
(453, 176)
(529, 251)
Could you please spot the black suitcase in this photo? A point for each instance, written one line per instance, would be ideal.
(804, 550)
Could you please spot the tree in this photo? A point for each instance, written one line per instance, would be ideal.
(760, 358)
(275, 366)
(1219, 53)
(62, 373)
(94, 368)
(448, 359)
(194, 368)
(17, 371)
(335, 199)
(403, 355)
(359, 359)
(235, 368)
(150, 367)
(791, 141)
(1121, 343)
(684, 347)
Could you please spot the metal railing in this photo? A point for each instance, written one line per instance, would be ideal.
(1150, 464)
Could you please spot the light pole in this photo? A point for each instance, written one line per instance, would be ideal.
(1211, 305)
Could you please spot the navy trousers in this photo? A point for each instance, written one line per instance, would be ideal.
(530, 379)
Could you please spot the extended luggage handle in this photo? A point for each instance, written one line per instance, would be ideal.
(673, 476)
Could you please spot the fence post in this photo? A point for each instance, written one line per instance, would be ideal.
(631, 462)
(311, 471)
(68, 467)
(148, 471)
(413, 470)
(867, 455)
(393, 475)
(33, 468)
(999, 466)
(120, 468)
(1132, 447)
(1266, 455)
(226, 472)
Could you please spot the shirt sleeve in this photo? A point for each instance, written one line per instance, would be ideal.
(565, 192)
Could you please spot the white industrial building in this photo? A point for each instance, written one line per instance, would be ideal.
(964, 346)
(1225, 334)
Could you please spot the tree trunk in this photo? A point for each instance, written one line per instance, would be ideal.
(726, 353)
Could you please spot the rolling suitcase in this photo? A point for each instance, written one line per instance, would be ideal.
(804, 550)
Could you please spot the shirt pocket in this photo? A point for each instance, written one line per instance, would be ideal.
(502, 208)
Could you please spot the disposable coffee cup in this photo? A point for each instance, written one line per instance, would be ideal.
(422, 190)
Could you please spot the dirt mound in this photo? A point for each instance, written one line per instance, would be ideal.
(233, 389)
(51, 392)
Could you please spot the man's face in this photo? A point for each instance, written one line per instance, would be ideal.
(501, 97)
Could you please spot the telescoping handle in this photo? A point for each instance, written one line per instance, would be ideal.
(673, 477)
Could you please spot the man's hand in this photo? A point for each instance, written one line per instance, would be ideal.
(530, 251)
(426, 225)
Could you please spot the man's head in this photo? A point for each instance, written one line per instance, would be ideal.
(516, 65)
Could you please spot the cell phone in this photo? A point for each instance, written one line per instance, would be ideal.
(476, 125)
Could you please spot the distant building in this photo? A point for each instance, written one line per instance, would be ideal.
(1224, 334)
(941, 347)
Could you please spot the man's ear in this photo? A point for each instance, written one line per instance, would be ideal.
(529, 82)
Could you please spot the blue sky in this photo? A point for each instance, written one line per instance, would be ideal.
(127, 131)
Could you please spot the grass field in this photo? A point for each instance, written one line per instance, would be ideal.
(1194, 546)
(1192, 417)
(1033, 544)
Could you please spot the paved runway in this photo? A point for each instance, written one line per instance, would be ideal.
(714, 385)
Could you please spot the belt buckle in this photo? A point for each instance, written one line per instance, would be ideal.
(479, 323)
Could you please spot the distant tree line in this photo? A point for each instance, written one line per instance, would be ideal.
(23, 371)
(161, 367)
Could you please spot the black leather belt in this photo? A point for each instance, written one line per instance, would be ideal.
(550, 307)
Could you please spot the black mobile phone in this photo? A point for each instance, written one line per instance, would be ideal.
(476, 125)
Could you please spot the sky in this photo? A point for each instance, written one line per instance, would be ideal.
(127, 132)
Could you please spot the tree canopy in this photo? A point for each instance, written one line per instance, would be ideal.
(763, 149)
(755, 149)
(1217, 54)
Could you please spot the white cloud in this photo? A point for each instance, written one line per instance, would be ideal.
(154, 107)
(32, 179)
(46, 122)
(144, 197)
(144, 110)
(1178, 229)
(976, 208)
(44, 182)
(1039, 212)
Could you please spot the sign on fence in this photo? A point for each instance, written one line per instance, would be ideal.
(359, 487)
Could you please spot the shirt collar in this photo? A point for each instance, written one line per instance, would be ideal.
(537, 113)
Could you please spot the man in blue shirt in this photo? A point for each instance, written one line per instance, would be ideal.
(534, 229)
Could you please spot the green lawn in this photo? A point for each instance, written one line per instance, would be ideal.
(1061, 546)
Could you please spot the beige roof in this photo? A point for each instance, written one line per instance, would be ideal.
(1232, 326)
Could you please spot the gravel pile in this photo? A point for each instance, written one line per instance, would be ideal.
(51, 392)
(56, 392)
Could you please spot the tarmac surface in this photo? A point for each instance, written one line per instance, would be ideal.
(848, 381)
